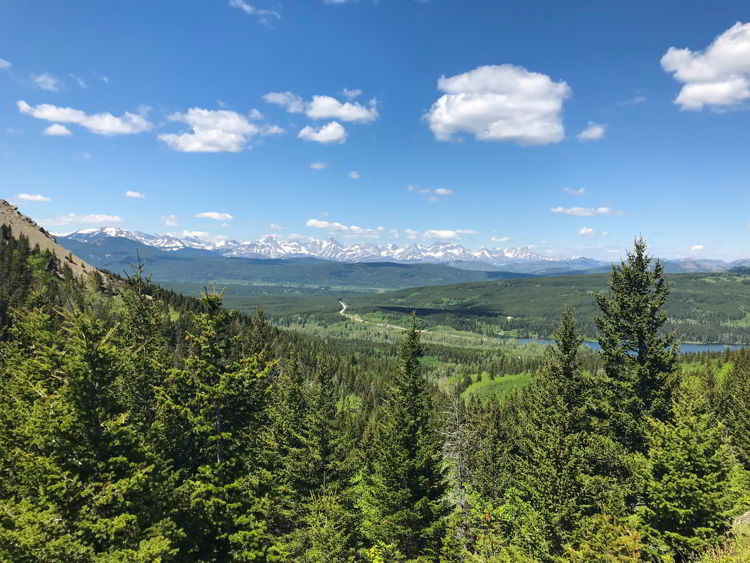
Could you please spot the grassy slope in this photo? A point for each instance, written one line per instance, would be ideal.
(717, 305)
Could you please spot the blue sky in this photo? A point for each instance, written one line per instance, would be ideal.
(567, 126)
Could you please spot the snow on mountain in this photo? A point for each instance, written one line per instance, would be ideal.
(328, 249)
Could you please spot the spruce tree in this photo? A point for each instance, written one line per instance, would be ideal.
(401, 490)
(640, 361)
(734, 406)
(689, 491)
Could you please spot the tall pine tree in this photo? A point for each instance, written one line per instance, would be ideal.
(401, 489)
(640, 361)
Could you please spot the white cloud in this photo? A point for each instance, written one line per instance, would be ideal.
(100, 123)
(352, 93)
(135, 195)
(79, 81)
(57, 130)
(432, 194)
(586, 232)
(33, 197)
(170, 220)
(269, 129)
(354, 175)
(262, 14)
(318, 165)
(634, 101)
(697, 247)
(254, 113)
(442, 234)
(4, 65)
(719, 76)
(325, 107)
(500, 103)
(215, 215)
(292, 102)
(499, 239)
(593, 132)
(333, 132)
(46, 81)
(275, 227)
(74, 219)
(202, 235)
(214, 131)
(575, 191)
(586, 211)
(353, 230)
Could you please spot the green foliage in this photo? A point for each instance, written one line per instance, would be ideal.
(604, 540)
(734, 406)
(137, 424)
(640, 361)
(689, 492)
(401, 487)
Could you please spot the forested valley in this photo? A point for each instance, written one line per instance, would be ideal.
(141, 425)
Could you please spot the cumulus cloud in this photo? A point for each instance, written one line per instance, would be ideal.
(354, 175)
(593, 132)
(292, 102)
(4, 65)
(262, 14)
(585, 211)
(75, 219)
(696, 247)
(46, 81)
(275, 227)
(587, 232)
(718, 76)
(215, 215)
(354, 230)
(214, 131)
(325, 107)
(499, 239)
(57, 130)
(134, 195)
(500, 103)
(575, 191)
(318, 165)
(333, 132)
(99, 123)
(170, 220)
(32, 197)
(442, 234)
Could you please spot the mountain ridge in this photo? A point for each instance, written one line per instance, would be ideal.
(520, 259)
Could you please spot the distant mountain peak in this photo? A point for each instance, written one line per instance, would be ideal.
(273, 246)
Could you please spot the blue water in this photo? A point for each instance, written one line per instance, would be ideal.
(684, 348)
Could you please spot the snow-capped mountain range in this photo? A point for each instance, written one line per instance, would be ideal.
(328, 249)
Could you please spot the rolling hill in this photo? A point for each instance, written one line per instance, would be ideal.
(701, 307)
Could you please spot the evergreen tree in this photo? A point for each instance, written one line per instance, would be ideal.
(212, 420)
(640, 361)
(689, 491)
(734, 406)
(401, 493)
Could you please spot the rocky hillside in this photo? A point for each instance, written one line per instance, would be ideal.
(22, 225)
